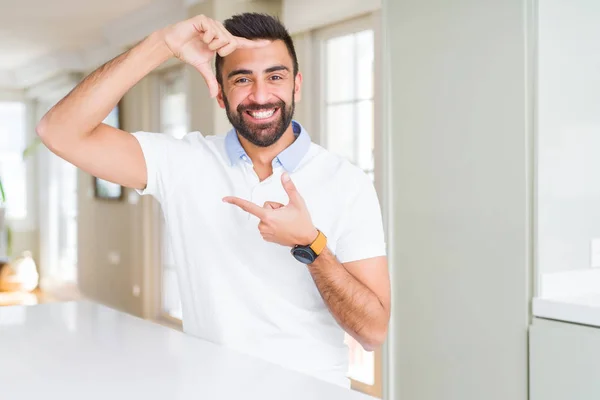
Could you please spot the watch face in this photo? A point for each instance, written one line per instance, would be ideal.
(303, 255)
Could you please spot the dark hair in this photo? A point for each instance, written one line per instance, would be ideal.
(257, 26)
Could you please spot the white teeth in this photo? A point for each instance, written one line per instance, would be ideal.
(262, 114)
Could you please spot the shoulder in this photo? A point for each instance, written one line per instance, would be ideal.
(336, 168)
(174, 148)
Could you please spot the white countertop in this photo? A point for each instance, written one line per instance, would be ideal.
(81, 350)
(583, 309)
(570, 296)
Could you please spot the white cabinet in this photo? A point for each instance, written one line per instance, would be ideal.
(564, 361)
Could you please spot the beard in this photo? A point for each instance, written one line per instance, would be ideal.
(261, 134)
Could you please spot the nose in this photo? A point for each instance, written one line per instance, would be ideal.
(260, 92)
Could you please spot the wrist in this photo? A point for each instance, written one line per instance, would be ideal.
(309, 237)
(310, 248)
(156, 49)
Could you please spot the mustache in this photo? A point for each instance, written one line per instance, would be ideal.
(256, 107)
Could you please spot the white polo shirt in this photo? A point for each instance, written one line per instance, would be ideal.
(238, 290)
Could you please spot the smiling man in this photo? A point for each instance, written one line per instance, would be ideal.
(278, 243)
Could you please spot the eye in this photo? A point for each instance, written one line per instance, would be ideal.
(242, 80)
(276, 77)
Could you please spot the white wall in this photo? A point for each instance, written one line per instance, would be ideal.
(569, 133)
(304, 15)
(12, 95)
(461, 156)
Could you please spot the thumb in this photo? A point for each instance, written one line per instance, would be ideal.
(209, 77)
(290, 189)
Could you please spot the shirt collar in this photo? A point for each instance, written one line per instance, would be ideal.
(289, 158)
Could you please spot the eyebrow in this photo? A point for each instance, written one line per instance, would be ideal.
(277, 68)
(249, 72)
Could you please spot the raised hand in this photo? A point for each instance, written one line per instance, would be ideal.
(196, 41)
(287, 225)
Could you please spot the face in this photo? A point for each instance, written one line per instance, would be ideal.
(259, 92)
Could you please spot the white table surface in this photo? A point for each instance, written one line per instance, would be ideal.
(81, 350)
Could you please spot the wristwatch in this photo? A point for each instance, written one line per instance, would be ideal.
(308, 254)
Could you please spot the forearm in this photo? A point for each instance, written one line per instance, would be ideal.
(90, 102)
(356, 308)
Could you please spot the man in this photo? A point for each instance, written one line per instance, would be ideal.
(278, 243)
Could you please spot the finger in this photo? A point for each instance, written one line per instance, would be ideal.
(218, 43)
(223, 32)
(243, 43)
(290, 189)
(227, 49)
(230, 42)
(221, 36)
(272, 205)
(266, 234)
(208, 35)
(209, 77)
(200, 23)
(263, 229)
(246, 206)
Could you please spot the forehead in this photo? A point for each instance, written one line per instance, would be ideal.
(258, 59)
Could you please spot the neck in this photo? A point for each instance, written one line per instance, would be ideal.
(262, 157)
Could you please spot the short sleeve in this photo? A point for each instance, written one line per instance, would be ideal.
(362, 234)
(156, 148)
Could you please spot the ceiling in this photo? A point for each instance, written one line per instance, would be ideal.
(30, 29)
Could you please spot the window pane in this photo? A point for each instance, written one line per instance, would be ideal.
(362, 363)
(173, 109)
(340, 130)
(174, 115)
(12, 168)
(13, 175)
(68, 221)
(340, 68)
(349, 131)
(365, 135)
(364, 60)
(12, 127)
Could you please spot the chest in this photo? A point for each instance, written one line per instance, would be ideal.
(223, 240)
(200, 208)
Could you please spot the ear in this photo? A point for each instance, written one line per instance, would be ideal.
(220, 97)
(298, 87)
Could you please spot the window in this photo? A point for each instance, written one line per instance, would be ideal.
(13, 170)
(173, 121)
(348, 97)
(66, 241)
(58, 213)
(346, 55)
(349, 132)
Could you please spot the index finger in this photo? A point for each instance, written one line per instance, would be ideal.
(246, 206)
(243, 43)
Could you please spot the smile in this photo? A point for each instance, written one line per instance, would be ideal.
(262, 114)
